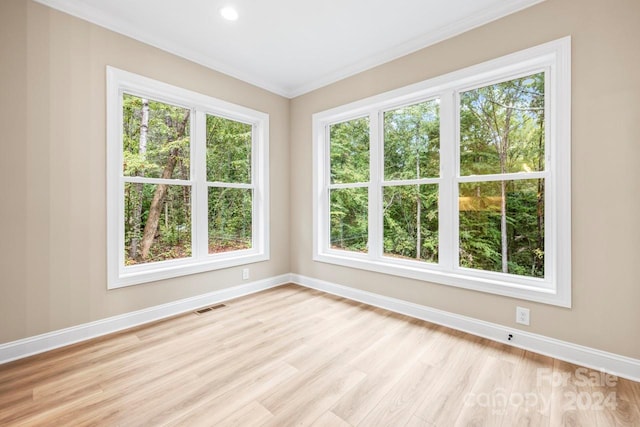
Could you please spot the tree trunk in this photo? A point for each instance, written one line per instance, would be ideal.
(540, 201)
(418, 210)
(151, 227)
(504, 149)
(137, 212)
(418, 201)
(418, 225)
(503, 227)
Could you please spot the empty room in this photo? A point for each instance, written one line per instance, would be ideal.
(342, 213)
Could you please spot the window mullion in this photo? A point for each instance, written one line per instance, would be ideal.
(201, 197)
(514, 176)
(447, 207)
(156, 181)
(481, 208)
(219, 184)
(404, 182)
(178, 100)
(375, 189)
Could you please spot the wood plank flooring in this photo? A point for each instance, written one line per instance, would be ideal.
(293, 356)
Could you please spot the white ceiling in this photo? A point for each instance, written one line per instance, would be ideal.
(290, 47)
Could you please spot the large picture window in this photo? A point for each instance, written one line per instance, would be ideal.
(461, 180)
(187, 181)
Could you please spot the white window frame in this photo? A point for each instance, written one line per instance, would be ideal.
(554, 59)
(119, 275)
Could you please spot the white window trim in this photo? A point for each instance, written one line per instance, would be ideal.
(119, 275)
(555, 59)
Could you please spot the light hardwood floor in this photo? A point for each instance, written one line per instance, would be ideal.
(294, 356)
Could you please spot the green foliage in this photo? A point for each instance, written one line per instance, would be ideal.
(228, 150)
(480, 230)
(349, 160)
(407, 209)
(505, 118)
(166, 150)
(229, 160)
(229, 219)
(501, 131)
(349, 218)
(349, 151)
(168, 134)
(173, 238)
(412, 142)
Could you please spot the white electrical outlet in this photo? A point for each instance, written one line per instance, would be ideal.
(245, 273)
(522, 316)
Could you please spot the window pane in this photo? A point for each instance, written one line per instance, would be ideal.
(155, 138)
(349, 227)
(508, 238)
(349, 148)
(412, 141)
(229, 219)
(157, 221)
(502, 127)
(228, 150)
(411, 222)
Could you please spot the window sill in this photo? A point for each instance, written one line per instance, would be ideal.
(136, 275)
(529, 289)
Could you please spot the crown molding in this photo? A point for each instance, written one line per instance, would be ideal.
(119, 25)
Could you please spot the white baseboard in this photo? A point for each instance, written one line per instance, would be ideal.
(611, 363)
(614, 364)
(60, 338)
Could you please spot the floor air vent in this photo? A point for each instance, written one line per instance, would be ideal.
(207, 309)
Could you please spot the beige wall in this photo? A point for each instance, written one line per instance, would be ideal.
(52, 166)
(605, 169)
(52, 130)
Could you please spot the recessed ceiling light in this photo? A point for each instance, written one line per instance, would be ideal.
(229, 13)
